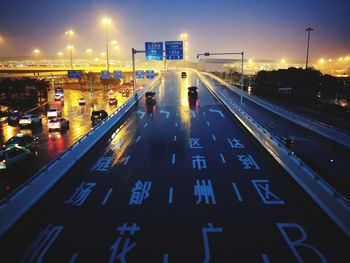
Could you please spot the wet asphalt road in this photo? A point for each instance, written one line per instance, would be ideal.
(328, 158)
(52, 144)
(177, 184)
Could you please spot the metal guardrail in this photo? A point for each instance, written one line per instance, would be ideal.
(315, 126)
(14, 206)
(331, 202)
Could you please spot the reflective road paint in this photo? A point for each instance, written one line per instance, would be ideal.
(239, 227)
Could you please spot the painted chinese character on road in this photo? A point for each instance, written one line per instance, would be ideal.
(140, 192)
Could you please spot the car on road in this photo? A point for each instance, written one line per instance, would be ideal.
(112, 101)
(24, 141)
(29, 120)
(150, 97)
(58, 124)
(13, 158)
(82, 101)
(14, 116)
(126, 92)
(58, 97)
(98, 115)
(53, 113)
(183, 74)
(193, 92)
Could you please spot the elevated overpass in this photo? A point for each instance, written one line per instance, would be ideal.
(179, 182)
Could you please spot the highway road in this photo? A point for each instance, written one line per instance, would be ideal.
(178, 183)
(51, 144)
(328, 158)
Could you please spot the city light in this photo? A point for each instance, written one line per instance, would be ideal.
(330, 60)
(102, 54)
(70, 47)
(250, 61)
(89, 51)
(321, 61)
(347, 58)
(70, 33)
(36, 51)
(340, 59)
(106, 21)
(60, 54)
(283, 61)
(114, 42)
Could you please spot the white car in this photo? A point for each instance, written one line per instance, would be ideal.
(29, 120)
(58, 97)
(58, 124)
(82, 101)
(54, 113)
(12, 158)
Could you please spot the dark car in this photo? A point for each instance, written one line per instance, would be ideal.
(183, 74)
(150, 97)
(126, 92)
(14, 116)
(112, 101)
(23, 141)
(193, 92)
(98, 115)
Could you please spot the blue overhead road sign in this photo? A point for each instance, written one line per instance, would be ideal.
(139, 74)
(154, 50)
(104, 74)
(174, 50)
(118, 74)
(74, 74)
(149, 74)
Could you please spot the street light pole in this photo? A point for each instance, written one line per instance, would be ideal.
(70, 34)
(308, 45)
(106, 22)
(106, 35)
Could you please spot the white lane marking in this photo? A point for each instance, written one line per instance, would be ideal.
(173, 159)
(145, 124)
(167, 113)
(217, 111)
(177, 114)
(193, 113)
(175, 124)
(208, 123)
(171, 190)
(107, 196)
(214, 138)
(150, 115)
(235, 188)
(175, 138)
(203, 113)
(73, 258)
(142, 113)
(127, 160)
(222, 158)
(138, 139)
(265, 258)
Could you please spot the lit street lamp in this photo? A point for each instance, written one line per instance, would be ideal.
(70, 34)
(308, 45)
(106, 22)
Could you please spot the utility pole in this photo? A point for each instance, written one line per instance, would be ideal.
(308, 45)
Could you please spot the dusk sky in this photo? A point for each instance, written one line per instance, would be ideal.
(265, 29)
